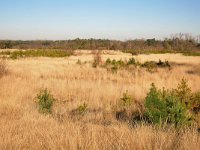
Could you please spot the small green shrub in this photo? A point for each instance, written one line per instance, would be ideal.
(82, 109)
(183, 92)
(131, 61)
(114, 62)
(121, 63)
(126, 100)
(45, 101)
(151, 66)
(124, 112)
(114, 68)
(163, 106)
(108, 61)
(163, 64)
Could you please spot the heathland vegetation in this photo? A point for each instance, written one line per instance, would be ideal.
(98, 100)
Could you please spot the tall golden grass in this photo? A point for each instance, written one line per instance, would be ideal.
(23, 127)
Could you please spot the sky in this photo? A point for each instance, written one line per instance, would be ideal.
(110, 19)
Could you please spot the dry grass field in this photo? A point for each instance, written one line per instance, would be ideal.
(23, 127)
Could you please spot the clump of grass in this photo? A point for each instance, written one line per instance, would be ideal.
(124, 112)
(45, 101)
(97, 59)
(195, 103)
(81, 109)
(79, 62)
(3, 67)
(126, 100)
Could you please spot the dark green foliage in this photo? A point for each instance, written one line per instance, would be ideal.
(155, 107)
(108, 61)
(163, 106)
(45, 101)
(151, 42)
(114, 65)
(163, 64)
(120, 63)
(151, 66)
(131, 61)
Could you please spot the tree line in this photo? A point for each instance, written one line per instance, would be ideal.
(177, 42)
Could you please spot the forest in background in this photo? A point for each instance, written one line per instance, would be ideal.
(177, 42)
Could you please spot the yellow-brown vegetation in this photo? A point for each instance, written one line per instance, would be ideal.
(23, 127)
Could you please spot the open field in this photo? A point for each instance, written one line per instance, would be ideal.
(72, 84)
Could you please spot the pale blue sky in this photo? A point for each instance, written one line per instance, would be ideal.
(113, 19)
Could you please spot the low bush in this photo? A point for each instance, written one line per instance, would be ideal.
(126, 100)
(183, 92)
(81, 109)
(164, 106)
(108, 61)
(163, 64)
(114, 65)
(151, 66)
(131, 61)
(45, 101)
(123, 111)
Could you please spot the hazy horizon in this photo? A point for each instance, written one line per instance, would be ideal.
(99, 19)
